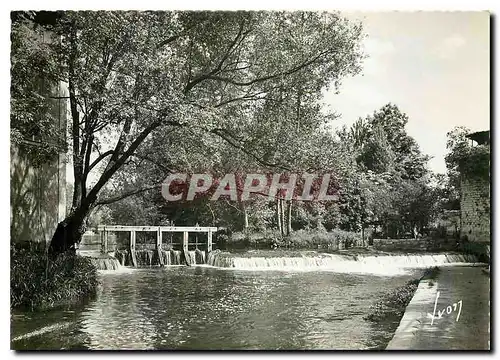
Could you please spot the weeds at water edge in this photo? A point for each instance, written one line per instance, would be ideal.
(392, 306)
(38, 282)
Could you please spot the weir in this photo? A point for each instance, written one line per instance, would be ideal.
(342, 263)
(158, 255)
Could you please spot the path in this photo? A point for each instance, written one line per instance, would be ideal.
(470, 332)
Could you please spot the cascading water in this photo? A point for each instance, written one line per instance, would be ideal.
(105, 263)
(199, 256)
(147, 257)
(372, 264)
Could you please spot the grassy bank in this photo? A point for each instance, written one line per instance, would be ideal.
(392, 306)
(387, 312)
(37, 282)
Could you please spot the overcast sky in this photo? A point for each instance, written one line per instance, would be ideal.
(433, 65)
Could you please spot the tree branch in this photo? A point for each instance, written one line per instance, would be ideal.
(127, 194)
(218, 68)
(99, 159)
(224, 136)
(268, 77)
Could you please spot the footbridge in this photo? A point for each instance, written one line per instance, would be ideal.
(123, 239)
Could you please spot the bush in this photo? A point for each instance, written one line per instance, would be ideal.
(481, 250)
(299, 239)
(38, 282)
(333, 240)
(253, 239)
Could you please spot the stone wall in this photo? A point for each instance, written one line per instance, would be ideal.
(475, 209)
(421, 244)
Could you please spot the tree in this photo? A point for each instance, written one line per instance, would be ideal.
(377, 154)
(457, 145)
(131, 74)
(403, 151)
(391, 187)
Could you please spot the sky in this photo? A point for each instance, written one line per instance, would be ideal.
(435, 66)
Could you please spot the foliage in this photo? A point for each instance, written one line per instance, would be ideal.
(462, 160)
(473, 162)
(300, 239)
(265, 239)
(457, 145)
(34, 122)
(377, 154)
(308, 239)
(391, 189)
(135, 78)
(384, 132)
(481, 250)
(39, 282)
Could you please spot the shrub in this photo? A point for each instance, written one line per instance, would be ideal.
(299, 239)
(481, 250)
(253, 239)
(332, 240)
(38, 282)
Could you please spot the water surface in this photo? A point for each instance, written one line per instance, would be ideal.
(210, 308)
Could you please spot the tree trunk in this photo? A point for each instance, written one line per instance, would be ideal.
(283, 217)
(362, 234)
(245, 215)
(69, 232)
(278, 215)
(289, 218)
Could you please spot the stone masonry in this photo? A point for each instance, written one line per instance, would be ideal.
(475, 209)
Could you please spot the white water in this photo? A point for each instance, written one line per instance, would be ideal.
(109, 263)
(370, 264)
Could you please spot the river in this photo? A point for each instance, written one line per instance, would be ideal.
(312, 301)
(207, 308)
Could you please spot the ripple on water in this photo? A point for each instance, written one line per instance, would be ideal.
(206, 308)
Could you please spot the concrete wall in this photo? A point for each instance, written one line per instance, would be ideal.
(38, 192)
(37, 198)
(475, 209)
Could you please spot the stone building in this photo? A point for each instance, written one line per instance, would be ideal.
(475, 196)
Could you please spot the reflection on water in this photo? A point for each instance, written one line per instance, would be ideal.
(208, 308)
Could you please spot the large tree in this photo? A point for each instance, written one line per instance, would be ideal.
(131, 74)
(391, 188)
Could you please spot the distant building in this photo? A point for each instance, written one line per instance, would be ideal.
(475, 199)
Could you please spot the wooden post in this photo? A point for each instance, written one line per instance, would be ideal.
(209, 242)
(104, 242)
(101, 234)
(132, 248)
(158, 247)
(185, 248)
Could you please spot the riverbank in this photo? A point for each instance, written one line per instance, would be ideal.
(432, 321)
(38, 282)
